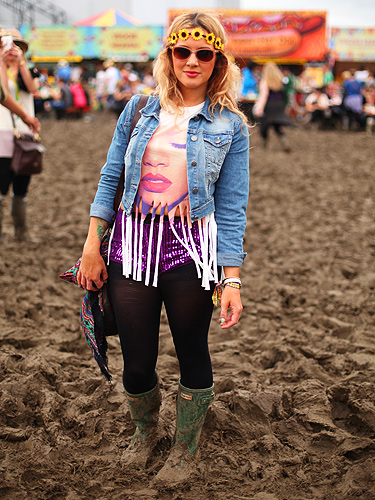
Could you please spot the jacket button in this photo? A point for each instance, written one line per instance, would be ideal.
(195, 190)
(194, 163)
(217, 140)
(194, 138)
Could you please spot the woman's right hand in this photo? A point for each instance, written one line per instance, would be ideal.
(92, 273)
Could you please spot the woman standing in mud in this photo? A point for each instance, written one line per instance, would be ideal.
(18, 81)
(181, 221)
(270, 106)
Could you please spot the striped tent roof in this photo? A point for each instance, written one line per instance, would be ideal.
(108, 18)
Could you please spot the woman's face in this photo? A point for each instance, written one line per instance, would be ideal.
(191, 73)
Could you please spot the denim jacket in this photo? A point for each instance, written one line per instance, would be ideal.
(217, 151)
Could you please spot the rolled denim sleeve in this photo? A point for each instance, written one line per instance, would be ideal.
(231, 198)
(102, 205)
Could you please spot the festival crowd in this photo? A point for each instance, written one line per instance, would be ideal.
(346, 102)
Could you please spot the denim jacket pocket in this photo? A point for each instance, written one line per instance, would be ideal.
(216, 147)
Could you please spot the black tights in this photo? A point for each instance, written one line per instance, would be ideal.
(264, 130)
(7, 178)
(138, 307)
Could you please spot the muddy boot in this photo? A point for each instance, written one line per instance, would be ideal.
(144, 411)
(285, 143)
(192, 406)
(19, 218)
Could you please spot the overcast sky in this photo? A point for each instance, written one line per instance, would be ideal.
(341, 13)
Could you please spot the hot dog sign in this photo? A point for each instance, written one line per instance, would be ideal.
(273, 34)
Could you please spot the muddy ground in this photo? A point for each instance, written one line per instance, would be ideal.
(294, 415)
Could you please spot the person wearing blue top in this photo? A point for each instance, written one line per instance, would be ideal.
(249, 89)
(180, 225)
(250, 84)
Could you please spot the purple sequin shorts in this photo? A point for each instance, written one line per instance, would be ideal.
(172, 252)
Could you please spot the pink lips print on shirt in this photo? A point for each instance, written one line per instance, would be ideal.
(155, 183)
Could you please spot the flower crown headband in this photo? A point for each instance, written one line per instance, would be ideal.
(197, 34)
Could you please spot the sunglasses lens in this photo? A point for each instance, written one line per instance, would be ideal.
(202, 55)
(205, 55)
(181, 53)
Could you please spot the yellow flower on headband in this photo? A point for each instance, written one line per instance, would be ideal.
(173, 38)
(183, 34)
(218, 44)
(210, 38)
(197, 34)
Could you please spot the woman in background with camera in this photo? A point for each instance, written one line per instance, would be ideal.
(19, 83)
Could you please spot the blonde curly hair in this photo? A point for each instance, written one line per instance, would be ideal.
(225, 80)
(273, 76)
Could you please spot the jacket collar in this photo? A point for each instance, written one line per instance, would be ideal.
(152, 108)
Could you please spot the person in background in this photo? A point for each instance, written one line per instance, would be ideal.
(183, 214)
(289, 82)
(270, 106)
(148, 79)
(8, 102)
(369, 108)
(361, 75)
(317, 105)
(249, 89)
(62, 98)
(64, 71)
(112, 76)
(19, 83)
(327, 75)
(121, 97)
(352, 101)
(99, 84)
(249, 81)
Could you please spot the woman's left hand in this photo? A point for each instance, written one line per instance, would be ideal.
(231, 307)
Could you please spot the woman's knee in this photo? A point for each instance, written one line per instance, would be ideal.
(138, 379)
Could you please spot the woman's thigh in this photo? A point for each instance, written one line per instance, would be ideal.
(137, 309)
(189, 310)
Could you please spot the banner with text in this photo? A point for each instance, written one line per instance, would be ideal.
(50, 43)
(277, 35)
(353, 44)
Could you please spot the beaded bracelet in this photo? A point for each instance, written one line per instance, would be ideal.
(234, 280)
(233, 285)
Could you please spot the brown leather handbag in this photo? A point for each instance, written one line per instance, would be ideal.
(28, 154)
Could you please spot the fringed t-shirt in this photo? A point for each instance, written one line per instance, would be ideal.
(163, 188)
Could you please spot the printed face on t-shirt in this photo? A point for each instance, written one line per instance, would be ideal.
(163, 174)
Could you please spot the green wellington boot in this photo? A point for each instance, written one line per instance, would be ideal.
(144, 411)
(192, 406)
(19, 218)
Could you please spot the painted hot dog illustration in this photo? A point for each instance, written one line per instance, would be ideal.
(267, 43)
(272, 35)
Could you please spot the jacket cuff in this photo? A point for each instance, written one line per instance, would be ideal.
(230, 259)
(102, 212)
